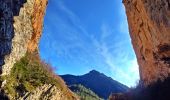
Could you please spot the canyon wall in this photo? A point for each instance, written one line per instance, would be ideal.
(21, 27)
(21, 23)
(149, 25)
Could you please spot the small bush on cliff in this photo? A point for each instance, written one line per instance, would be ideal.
(29, 73)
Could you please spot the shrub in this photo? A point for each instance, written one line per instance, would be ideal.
(29, 73)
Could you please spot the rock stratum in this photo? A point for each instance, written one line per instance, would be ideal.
(149, 26)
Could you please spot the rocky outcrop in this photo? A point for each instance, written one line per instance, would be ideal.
(47, 92)
(21, 23)
(21, 29)
(149, 25)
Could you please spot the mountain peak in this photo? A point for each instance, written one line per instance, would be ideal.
(94, 72)
(94, 80)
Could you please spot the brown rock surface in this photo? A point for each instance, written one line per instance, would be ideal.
(149, 25)
(37, 23)
(47, 92)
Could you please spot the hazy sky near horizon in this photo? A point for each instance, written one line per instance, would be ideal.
(82, 35)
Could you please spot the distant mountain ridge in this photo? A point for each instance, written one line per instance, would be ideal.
(99, 83)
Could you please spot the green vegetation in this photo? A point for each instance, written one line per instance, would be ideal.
(84, 93)
(29, 73)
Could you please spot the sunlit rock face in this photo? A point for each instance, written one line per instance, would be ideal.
(47, 92)
(149, 25)
(21, 24)
(39, 8)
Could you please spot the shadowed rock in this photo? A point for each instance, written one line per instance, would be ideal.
(8, 9)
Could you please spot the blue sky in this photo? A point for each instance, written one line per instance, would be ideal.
(81, 35)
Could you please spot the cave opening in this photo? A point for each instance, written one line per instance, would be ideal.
(82, 36)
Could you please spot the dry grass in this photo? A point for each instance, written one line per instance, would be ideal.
(31, 72)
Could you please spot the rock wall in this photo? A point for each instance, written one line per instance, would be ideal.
(47, 92)
(22, 28)
(37, 23)
(149, 25)
(6, 29)
(21, 23)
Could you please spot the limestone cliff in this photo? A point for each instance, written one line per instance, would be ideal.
(21, 23)
(149, 25)
(46, 92)
(28, 22)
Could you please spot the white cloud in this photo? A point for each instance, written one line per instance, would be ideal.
(106, 31)
(73, 17)
(117, 59)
